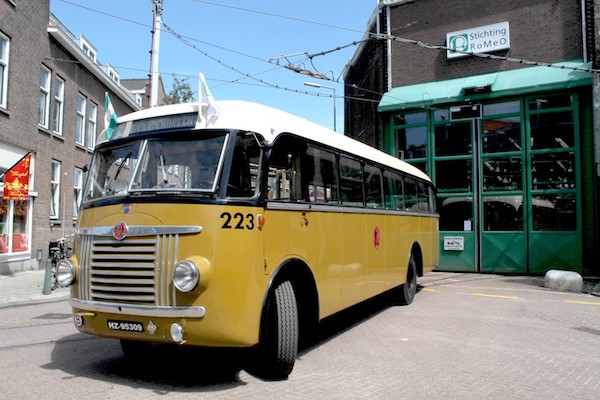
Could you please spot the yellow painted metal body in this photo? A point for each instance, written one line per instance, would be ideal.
(352, 256)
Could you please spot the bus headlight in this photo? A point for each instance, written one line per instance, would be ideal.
(65, 272)
(186, 276)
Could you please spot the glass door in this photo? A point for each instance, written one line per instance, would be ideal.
(455, 179)
(503, 204)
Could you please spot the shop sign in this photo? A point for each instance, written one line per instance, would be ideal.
(16, 180)
(483, 39)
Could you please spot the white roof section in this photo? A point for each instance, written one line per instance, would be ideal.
(270, 123)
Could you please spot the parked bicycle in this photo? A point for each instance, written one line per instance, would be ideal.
(59, 250)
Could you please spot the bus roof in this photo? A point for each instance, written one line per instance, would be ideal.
(270, 123)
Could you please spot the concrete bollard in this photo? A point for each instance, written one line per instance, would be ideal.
(563, 280)
(47, 278)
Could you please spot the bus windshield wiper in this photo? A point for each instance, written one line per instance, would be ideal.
(120, 168)
(162, 166)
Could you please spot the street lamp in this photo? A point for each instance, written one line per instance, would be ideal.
(316, 85)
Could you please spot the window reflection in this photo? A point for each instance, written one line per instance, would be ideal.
(502, 173)
(502, 134)
(553, 171)
(554, 101)
(554, 212)
(510, 107)
(453, 139)
(454, 176)
(412, 142)
(503, 213)
(454, 211)
(552, 131)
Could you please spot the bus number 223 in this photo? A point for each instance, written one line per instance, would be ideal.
(238, 219)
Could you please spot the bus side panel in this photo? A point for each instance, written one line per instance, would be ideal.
(430, 243)
(285, 236)
(355, 240)
(406, 229)
(376, 254)
(326, 259)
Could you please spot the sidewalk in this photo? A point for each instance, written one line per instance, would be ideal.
(27, 288)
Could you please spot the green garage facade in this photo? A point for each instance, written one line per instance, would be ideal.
(512, 156)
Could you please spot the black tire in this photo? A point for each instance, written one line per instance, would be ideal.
(278, 345)
(409, 289)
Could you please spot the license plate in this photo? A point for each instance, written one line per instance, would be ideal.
(128, 326)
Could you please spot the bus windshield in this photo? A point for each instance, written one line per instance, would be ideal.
(182, 164)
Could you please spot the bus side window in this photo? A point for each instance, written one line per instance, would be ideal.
(284, 181)
(244, 167)
(373, 190)
(411, 197)
(320, 171)
(351, 181)
(393, 186)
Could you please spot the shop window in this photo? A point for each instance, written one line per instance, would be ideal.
(14, 236)
(453, 139)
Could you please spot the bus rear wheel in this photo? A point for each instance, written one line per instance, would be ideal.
(278, 345)
(409, 289)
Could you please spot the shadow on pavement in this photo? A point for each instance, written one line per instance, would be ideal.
(168, 369)
(165, 369)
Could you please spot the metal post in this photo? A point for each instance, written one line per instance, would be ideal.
(316, 85)
(47, 278)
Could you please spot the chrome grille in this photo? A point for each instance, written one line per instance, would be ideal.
(124, 271)
(136, 270)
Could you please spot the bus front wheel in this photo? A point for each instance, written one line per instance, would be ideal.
(409, 289)
(278, 345)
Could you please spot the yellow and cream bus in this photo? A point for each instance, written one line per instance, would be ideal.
(244, 230)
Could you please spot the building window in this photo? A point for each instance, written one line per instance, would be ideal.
(91, 125)
(59, 105)
(80, 123)
(87, 48)
(55, 190)
(77, 191)
(44, 111)
(4, 50)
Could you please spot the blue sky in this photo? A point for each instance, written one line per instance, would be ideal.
(243, 35)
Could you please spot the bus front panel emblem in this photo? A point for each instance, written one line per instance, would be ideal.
(120, 230)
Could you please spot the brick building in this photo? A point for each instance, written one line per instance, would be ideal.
(503, 125)
(52, 94)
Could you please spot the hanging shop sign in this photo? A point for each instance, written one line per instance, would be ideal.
(16, 180)
(483, 39)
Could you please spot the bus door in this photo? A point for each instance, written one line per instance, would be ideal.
(479, 176)
(286, 215)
